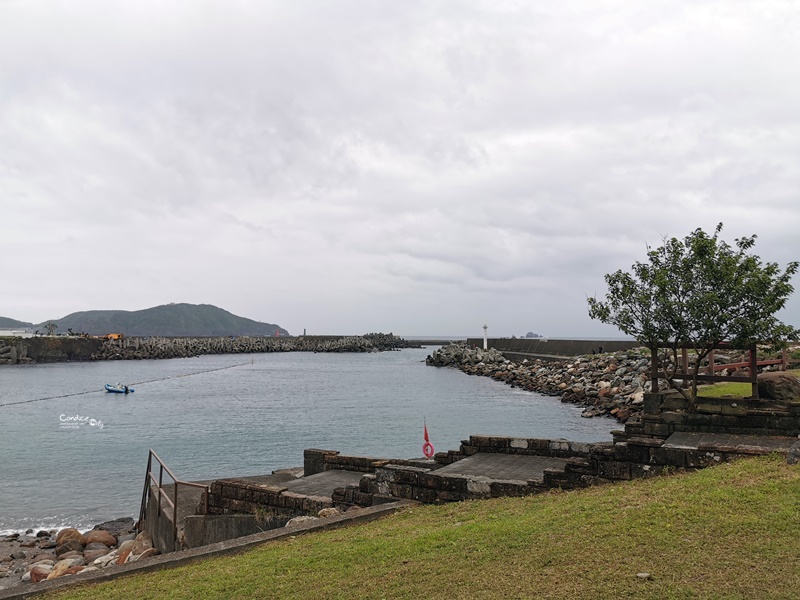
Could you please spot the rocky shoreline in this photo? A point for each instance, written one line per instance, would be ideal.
(51, 554)
(611, 384)
(33, 557)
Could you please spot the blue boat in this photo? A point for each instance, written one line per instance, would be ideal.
(119, 388)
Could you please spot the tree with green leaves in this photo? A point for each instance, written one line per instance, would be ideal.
(698, 292)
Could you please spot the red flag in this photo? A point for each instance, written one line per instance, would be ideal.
(427, 447)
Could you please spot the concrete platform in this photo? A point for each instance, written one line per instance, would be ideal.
(319, 484)
(323, 484)
(276, 478)
(749, 444)
(503, 466)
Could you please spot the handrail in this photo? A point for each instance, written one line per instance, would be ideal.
(150, 481)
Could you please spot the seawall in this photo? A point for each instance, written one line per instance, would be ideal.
(518, 349)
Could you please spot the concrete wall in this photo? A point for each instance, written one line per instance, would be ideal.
(158, 523)
(201, 530)
(47, 349)
(514, 348)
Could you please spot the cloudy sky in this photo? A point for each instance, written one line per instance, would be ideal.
(420, 167)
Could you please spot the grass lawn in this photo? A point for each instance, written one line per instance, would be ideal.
(730, 531)
(736, 389)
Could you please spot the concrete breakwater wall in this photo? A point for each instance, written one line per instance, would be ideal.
(520, 348)
(15, 351)
(66, 349)
(611, 384)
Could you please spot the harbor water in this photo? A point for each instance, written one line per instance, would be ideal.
(72, 454)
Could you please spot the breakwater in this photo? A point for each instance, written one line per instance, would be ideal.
(46, 349)
(68, 349)
(518, 349)
(609, 384)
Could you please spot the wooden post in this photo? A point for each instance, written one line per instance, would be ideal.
(711, 363)
(754, 370)
(785, 359)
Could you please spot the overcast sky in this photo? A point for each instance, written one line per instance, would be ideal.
(419, 167)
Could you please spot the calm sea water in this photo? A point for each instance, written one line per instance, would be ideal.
(79, 458)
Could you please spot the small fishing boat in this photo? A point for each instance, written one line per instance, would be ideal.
(119, 388)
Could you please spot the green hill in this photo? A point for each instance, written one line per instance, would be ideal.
(170, 320)
(6, 323)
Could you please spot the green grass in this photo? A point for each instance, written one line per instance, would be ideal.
(721, 390)
(726, 532)
(735, 389)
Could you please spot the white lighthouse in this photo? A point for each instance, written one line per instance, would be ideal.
(485, 337)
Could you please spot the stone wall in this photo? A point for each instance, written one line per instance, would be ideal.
(317, 461)
(425, 484)
(664, 414)
(231, 496)
(559, 448)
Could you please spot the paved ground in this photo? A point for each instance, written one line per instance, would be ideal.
(694, 441)
(320, 484)
(503, 466)
(278, 478)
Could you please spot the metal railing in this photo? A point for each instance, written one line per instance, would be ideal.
(153, 485)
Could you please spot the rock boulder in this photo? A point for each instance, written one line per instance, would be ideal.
(142, 542)
(778, 385)
(117, 527)
(100, 535)
(68, 534)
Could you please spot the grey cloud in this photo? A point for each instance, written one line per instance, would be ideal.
(396, 155)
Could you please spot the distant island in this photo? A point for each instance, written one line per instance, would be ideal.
(168, 320)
